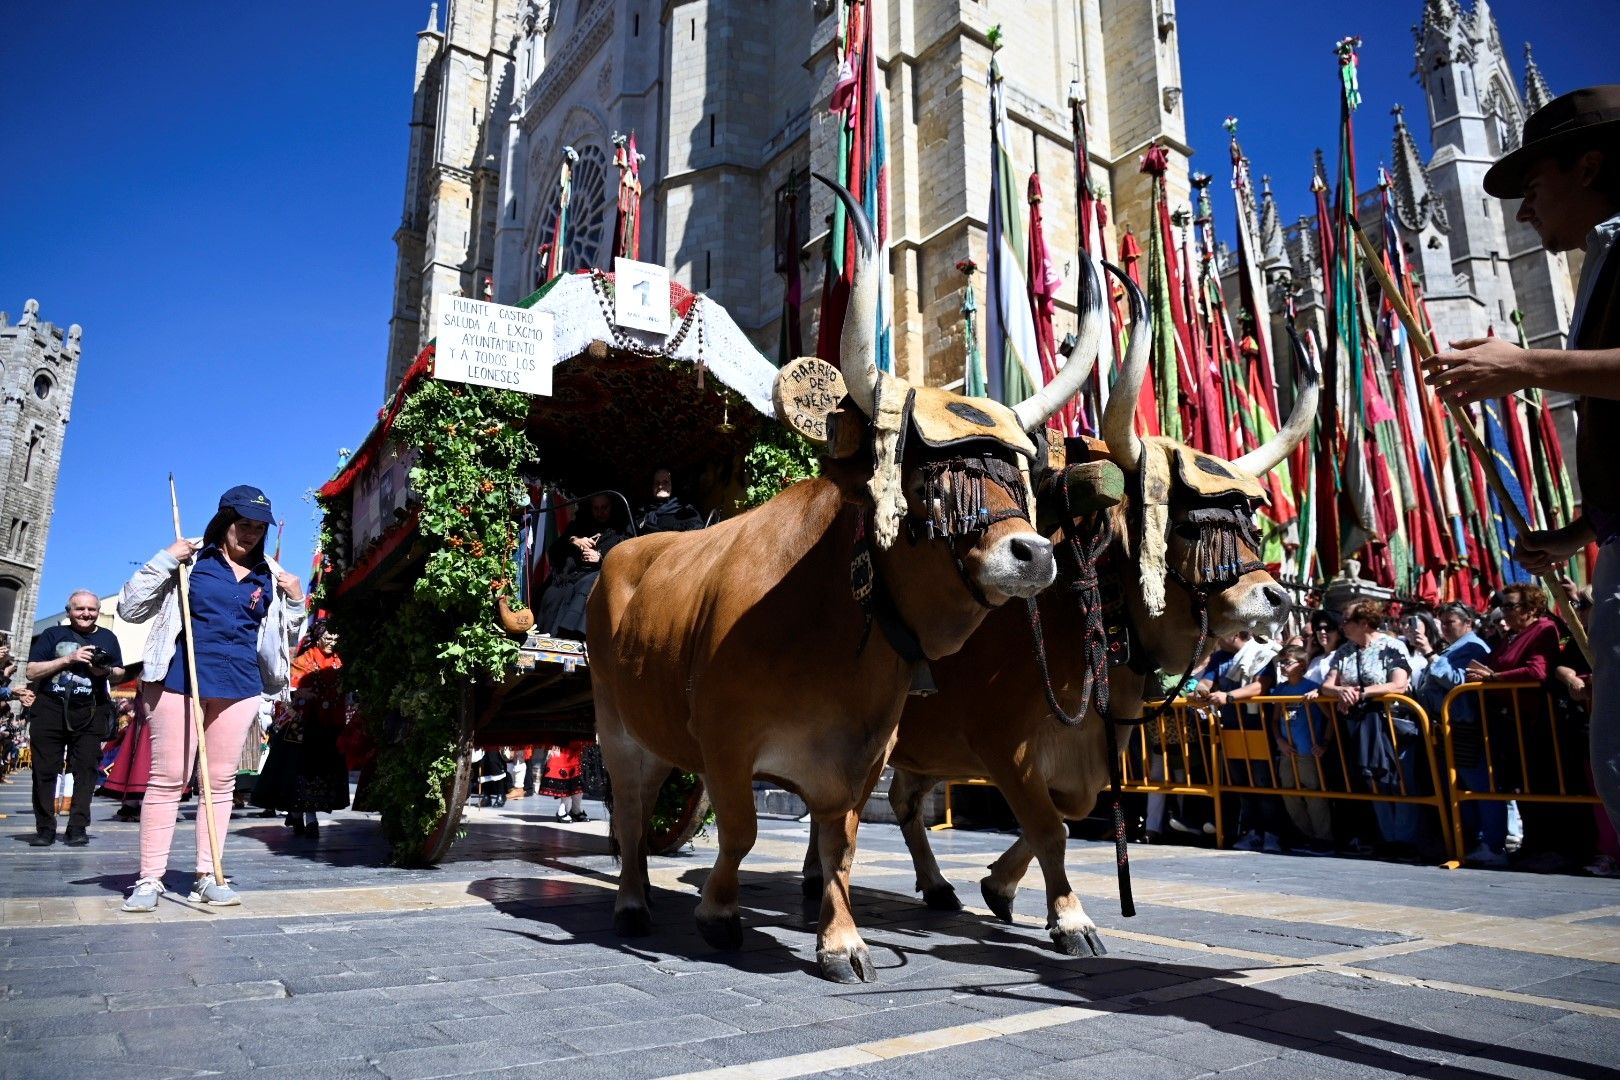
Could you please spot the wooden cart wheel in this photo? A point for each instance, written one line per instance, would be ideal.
(694, 811)
(456, 787)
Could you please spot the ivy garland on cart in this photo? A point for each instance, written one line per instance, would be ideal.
(423, 647)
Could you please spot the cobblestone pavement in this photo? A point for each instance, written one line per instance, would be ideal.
(503, 961)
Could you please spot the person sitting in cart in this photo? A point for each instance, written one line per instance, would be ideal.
(576, 559)
(666, 512)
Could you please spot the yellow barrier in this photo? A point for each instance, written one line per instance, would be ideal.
(1249, 745)
(1506, 787)
(1189, 741)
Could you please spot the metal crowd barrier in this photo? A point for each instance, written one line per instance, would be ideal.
(1186, 751)
(1509, 769)
(1202, 747)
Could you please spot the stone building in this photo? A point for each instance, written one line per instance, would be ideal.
(728, 100)
(39, 364)
(463, 77)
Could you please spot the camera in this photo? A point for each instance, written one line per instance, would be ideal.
(101, 658)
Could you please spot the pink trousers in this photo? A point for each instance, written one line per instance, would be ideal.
(174, 749)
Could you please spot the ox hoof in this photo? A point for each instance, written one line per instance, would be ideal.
(632, 922)
(1079, 942)
(812, 888)
(724, 933)
(1000, 905)
(847, 965)
(941, 898)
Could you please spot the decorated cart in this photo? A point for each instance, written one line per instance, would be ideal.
(435, 531)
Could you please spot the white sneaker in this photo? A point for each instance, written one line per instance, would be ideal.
(210, 892)
(144, 897)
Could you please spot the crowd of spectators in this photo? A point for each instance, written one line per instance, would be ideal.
(1347, 728)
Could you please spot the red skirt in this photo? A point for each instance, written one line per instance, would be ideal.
(563, 776)
(132, 767)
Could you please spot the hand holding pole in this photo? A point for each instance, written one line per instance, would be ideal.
(1425, 348)
(207, 807)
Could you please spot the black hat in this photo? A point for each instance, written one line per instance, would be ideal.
(248, 502)
(1586, 118)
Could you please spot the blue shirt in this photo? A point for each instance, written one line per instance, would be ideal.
(1307, 726)
(1447, 671)
(225, 617)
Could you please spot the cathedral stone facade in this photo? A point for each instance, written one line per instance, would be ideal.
(728, 101)
(39, 364)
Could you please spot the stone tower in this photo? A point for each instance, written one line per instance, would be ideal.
(728, 100)
(1476, 115)
(39, 365)
(446, 233)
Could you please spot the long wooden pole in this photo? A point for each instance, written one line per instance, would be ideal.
(207, 807)
(1425, 348)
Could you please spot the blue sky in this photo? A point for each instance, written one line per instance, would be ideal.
(211, 191)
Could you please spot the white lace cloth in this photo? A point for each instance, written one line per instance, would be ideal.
(727, 352)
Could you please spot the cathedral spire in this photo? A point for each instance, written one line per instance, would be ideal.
(1271, 233)
(1536, 91)
(1415, 205)
(433, 19)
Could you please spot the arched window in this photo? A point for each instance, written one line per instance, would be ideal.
(10, 593)
(42, 386)
(591, 207)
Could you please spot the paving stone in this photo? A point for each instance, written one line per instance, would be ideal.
(1114, 1064)
(536, 984)
(646, 1035)
(987, 1059)
(357, 1068)
(1499, 969)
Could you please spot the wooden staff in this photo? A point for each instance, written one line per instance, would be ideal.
(1425, 348)
(207, 807)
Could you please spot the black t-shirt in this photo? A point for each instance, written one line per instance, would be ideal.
(74, 684)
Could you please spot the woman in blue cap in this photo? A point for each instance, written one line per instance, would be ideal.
(246, 616)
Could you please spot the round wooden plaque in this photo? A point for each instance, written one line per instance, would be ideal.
(806, 391)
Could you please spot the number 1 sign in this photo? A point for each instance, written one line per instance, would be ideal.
(641, 296)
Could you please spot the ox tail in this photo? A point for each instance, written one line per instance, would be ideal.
(607, 803)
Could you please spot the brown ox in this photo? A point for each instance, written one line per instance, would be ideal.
(1047, 771)
(739, 651)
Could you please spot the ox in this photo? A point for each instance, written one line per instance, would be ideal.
(749, 649)
(1050, 772)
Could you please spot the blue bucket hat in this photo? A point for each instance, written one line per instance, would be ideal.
(249, 502)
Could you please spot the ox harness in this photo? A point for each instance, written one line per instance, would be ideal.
(954, 491)
(1219, 528)
(955, 497)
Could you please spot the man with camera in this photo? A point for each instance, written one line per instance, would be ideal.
(71, 669)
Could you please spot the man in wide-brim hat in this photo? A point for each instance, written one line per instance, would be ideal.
(1568, 173)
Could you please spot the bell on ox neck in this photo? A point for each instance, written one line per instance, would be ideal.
(922, 680)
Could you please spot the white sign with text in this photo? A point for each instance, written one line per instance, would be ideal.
(493, 345)
(641, 296)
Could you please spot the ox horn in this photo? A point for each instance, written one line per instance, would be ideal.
(1263, 459)
(858, 339)
(1119, 419)
(1035, 410)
